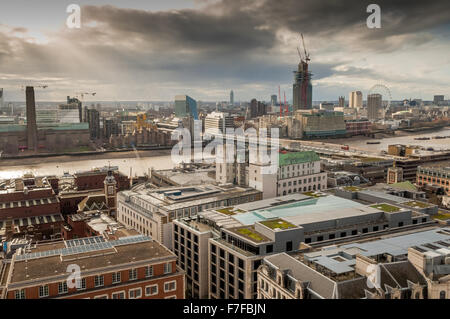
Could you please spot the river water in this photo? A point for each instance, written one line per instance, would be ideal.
(141, 164)
(436, 144)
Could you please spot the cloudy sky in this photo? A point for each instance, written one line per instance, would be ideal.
(151, 50)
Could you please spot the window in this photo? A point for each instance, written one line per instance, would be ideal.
(118, 295)
(151, 290)
(319, 238)
(343, 234)
(82, 284)
(289, 246)
(240, 263)
(269, 249)
(20, 294)
(167, 268)
(116, 277)
(98, 281)
(307, 240)
(148, 271)
(43, 291)
(331, 236)
(365, 230)
(132, 274)
(170, 286)
(354, 232)
(442, 295)
(62, 287)
(135, 293)
(400, 224)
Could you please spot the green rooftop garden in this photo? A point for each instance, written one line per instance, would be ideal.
(277, 223)
(386, 208)
(441, 215)
(250, 233)
(229, 210)
(416, 204)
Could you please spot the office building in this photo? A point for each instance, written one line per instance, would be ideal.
(374, 107)
(435, 174)
(403, 264)
(273, 101)
(240, 236)
(129, 267)
(327, 106)
(355, 100)
(218, 122)
(323, 124)
(438, 100)
(93, 118)
(185, 106)
(231, 98)
(151, 212)
(297, 172)
(342, 101)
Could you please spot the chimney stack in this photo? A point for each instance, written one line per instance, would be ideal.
(32, 139)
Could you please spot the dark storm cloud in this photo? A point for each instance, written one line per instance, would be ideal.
(225, 42)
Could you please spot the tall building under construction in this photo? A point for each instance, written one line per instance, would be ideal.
(302, 88)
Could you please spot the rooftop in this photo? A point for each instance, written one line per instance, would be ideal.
(290, 158)
(305, 206)
(249, 232)
(386, 208)
(53, 261)
(277, 224)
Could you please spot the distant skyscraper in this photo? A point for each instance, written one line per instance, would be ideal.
(374, 106)
(231, 97)
(32, 138)
(438, 99)
(184, 106)
(341, 101)
(302, 88)
(355, 99)
(253, 108)
(273, 100)
(1, 98)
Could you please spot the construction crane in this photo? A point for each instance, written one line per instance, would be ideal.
(305, 72)
(35, 86)
(279, 98)
(82, 94)
(304, 48)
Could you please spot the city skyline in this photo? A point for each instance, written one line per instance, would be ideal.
(248, 48)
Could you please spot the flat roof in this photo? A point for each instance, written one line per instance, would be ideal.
(319, 208)
(399, 245)
(120, 252)
(341, 259)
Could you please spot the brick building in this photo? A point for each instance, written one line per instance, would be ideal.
(133, 267)
(31, 206)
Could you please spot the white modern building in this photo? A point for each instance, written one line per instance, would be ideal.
(298, 172)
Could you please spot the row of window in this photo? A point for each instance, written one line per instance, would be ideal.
(99, 281)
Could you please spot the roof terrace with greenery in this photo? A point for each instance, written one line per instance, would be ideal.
(277, 224)
(416, 204)
(386, 208)
(250, 233)
(229, 210)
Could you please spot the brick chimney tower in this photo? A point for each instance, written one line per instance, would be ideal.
(32, 137)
